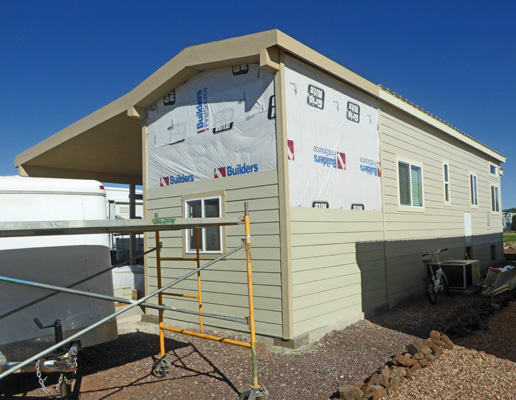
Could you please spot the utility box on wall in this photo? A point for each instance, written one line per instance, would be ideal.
(462, 273)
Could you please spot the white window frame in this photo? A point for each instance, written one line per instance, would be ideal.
(495, 169)
(446, 183)
(473, 194)
(411, 207)
(495, 210)
(202, 232)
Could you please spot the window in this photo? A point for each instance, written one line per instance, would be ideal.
(209, 238)
(495, 200)
(446, 176)
(473, 189)
(492, 169)
(410, 184)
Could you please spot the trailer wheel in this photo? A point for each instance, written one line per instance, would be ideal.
(160, 367)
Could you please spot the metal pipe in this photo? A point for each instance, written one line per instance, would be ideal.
(112, 316)
(199, 280)
(188, 296)
(251, 298)
(132, 215)
(113, 298)
(160, 298)
(210, 337)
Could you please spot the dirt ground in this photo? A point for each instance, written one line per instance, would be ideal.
(206, 369)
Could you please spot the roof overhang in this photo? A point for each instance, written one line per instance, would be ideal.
(107, 144)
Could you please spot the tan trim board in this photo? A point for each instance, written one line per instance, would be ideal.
(145, 213)
(46, 172)
(316, 59)
(284, 201)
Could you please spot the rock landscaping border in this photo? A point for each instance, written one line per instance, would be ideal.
(402, 366)
(420, 354)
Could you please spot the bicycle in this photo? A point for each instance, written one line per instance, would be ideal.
(435, 282)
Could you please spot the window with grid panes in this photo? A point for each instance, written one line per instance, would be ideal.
(210, 237)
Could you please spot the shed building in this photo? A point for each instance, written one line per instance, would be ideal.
(347, 182)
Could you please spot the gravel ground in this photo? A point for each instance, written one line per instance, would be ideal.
(206, 369)
(484, 368)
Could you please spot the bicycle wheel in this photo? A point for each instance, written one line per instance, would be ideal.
(430, 290)
(446, 288)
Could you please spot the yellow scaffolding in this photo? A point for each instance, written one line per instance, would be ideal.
(161, 366)
(44, 228)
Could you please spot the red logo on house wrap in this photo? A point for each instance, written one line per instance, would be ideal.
(379, 164)
(341, 160)
(219, 172)
(165, 181)
(290, 145)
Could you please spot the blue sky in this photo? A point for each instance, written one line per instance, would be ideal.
(63, 60)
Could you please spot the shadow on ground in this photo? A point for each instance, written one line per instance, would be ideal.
(418, 317)
(126, 349)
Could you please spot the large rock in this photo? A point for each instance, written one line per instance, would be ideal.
(350, 392)
(374, 380)
(358, 384)
(387, 372)
(413, 348)
(395, 381)
(404, 361)
(412, 370)
(437, 350)
(425, 349)
(445, 345)
(399, 371)
(448, 341)
(418, 347)
(374, 392)
(435, 335)
(383, 380)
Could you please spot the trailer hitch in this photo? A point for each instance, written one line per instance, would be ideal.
(58, 331)
(63, 360)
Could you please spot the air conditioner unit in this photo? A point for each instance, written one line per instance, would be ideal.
(461, 273)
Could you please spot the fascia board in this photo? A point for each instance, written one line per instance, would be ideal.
(321, 62)
(183, 66)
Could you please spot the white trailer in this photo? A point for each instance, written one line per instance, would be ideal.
(80, 262)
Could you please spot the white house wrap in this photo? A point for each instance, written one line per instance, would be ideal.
(333, 142)
(218, 124)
